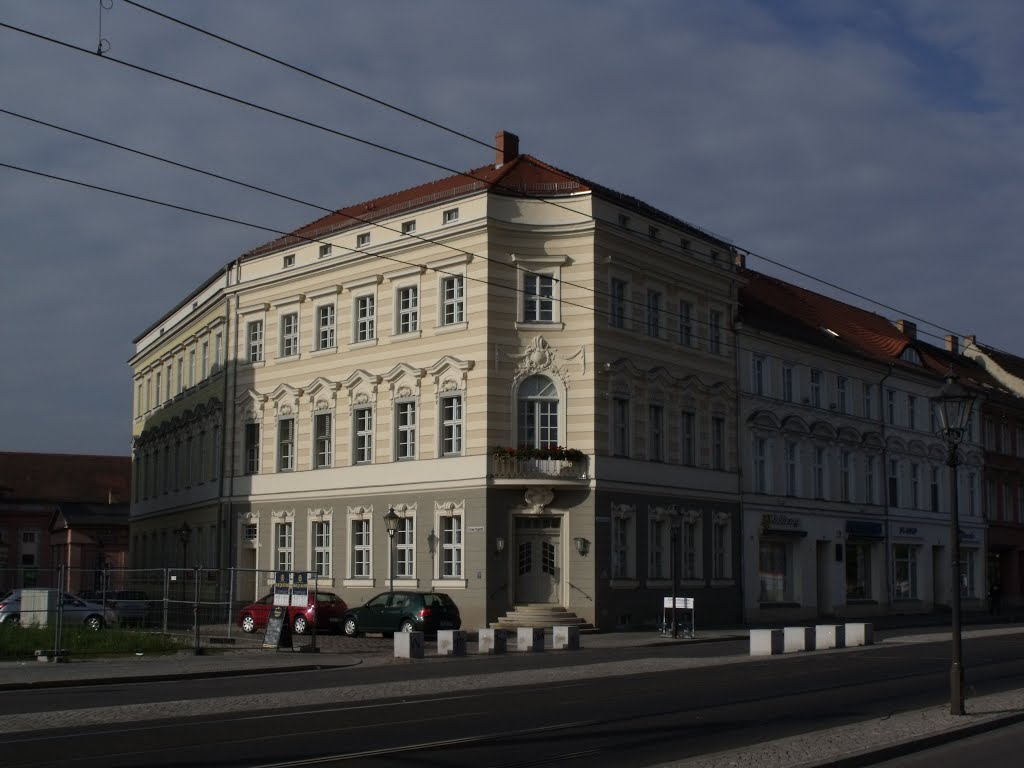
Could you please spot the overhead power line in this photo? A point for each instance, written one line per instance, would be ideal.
(308, 73)
(511, 289)
(496, 185)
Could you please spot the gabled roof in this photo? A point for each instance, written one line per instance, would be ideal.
(1010, 363)
(91, 515)
(56, 477)
(523, 175)
(776, 306)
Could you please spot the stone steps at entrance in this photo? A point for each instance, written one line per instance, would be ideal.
(541, 615)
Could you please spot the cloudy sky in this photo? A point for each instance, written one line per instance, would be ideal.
(875, 145)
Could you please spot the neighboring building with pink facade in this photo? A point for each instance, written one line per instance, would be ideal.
(62, 509)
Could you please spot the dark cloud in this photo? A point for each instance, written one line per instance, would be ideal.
(874, 145)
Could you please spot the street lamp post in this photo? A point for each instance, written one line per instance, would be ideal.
(674, 554)
(953, 405)
(391, 523)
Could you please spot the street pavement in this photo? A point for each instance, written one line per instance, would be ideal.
(864, 743)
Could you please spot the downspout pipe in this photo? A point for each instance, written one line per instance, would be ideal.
(887, 554)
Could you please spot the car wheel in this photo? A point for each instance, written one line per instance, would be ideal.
(300, 625)
(14, 620)
(95, 623)
(248, 623)
(350, 627)
(407, 626)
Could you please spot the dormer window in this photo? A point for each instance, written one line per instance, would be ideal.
(910, 355)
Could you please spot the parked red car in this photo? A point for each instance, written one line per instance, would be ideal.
(328, 612)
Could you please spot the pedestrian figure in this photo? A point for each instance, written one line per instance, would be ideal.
(994, 607)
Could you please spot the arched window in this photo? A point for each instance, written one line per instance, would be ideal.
(538, 413)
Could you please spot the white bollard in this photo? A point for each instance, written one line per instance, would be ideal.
(860, 634)
(451, 642)
(492, 641)
(829, 636)
(797, 639)
(408, 645)
(529, 639)
(566, 638)
(766, 642)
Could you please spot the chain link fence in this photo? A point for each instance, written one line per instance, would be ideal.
(210, 606)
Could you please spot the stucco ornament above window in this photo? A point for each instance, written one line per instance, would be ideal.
(541, 357)
(538, 497)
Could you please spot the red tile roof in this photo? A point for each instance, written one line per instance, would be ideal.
(64, 477)
(524, 175)
(789, 310)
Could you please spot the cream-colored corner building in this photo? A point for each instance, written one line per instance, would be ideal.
(389, 355)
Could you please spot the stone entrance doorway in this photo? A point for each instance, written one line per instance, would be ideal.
(538, 559)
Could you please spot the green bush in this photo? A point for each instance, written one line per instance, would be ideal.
(18, 642)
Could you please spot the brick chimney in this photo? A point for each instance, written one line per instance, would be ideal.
(508, 148)
(970, 341)
(907, 327)
(952, 344)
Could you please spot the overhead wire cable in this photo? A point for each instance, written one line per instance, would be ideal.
(413, 115)
(723, 342)
(409, 156)
(308, 73)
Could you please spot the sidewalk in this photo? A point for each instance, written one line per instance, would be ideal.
(858, 744)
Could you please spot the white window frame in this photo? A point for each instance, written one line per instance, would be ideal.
(286, 444)
(361, 548)
(654, 313)
(620, 426)
(326, 327)
(406, 422)
(364, 318)
(284, 545)
(450, 216)
(254, 342)
(655, 432)
(362, 434)
(688, 438)
(791, 458)
(251, 439)
(618, 296)
(323, 440)
(685, 323)
(407, 309)
(623, 545)
(721, 547)
(320, 543)
(450, 566)
(452, 424)
(815, 387)
(715, 331)
(789, 390)
(758, 373)
(362, 239)
(718, 442)
(405, 547)
(452, 305)
(289, 325)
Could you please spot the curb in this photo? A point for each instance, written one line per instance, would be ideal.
(871, 757)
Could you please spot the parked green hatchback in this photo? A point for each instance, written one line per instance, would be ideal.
(403, 611)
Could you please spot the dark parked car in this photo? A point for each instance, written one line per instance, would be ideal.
(403, 611)
(328, 612)
(132, 606)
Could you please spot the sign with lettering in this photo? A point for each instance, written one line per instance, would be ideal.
(863, 529)
(279, 631)
(780, 521)
(904, 530)
(282, 587)
(300, 589)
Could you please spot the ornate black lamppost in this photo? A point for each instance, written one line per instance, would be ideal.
(391, 523)
(953, 404)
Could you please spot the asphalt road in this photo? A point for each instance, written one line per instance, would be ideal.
(636, 720)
